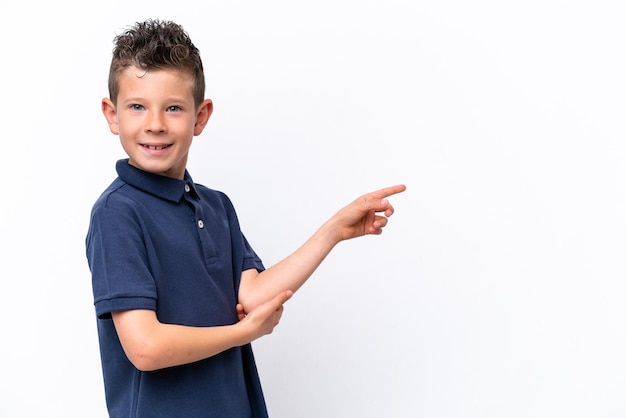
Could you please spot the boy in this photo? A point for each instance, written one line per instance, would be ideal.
(178, 291)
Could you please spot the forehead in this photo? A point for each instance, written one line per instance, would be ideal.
(135, 79)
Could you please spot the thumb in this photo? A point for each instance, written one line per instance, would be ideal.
(282, 297)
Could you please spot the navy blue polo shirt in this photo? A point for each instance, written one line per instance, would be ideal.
(174, 247)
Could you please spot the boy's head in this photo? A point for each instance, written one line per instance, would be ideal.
(156, 45)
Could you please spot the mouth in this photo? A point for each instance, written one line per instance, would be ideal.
(156, 147)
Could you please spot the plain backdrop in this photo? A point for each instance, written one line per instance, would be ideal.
(498, 288)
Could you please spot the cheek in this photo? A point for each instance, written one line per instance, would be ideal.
(185, 128)
(128, 125)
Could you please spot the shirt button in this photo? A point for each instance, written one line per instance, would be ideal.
(200, 224)
(187, 188)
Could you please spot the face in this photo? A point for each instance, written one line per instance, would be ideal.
(156, 119)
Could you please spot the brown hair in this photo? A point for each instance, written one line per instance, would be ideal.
(156, 44)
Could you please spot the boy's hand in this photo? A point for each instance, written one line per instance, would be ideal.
(264, 318)
(361, 217)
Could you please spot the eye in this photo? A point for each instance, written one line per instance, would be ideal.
(136, 107)
(173, 109)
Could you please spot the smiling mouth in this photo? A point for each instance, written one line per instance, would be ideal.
(156, 147)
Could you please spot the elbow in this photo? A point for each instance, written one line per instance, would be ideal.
(250, 298)
(146, 357)
(142, 363)
(142, 338)
(249, 302)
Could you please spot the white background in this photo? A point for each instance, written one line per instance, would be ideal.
(498, 288)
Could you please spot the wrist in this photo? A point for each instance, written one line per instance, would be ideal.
(330, 233)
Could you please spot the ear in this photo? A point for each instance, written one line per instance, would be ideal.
(202, 116)
(109, 112)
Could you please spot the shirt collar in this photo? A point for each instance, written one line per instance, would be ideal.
(161, 186)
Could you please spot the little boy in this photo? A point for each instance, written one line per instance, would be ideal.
(179, 293)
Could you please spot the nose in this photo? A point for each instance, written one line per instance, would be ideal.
(155, 123)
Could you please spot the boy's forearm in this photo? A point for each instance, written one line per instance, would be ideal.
(184, 344)
(365, 215)
(151, 345)
(292, 272)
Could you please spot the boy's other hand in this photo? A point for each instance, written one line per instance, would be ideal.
(264, 318)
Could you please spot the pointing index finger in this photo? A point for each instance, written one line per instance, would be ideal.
(388, 191)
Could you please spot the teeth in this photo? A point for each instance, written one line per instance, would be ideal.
(154, 147)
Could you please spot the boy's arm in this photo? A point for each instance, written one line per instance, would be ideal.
(359, 218)
(151, 345)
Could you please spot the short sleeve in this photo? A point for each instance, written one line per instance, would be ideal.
(121, 277)
(250, 259)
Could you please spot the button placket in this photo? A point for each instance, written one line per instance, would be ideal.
(199, 222)
(208, 247)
